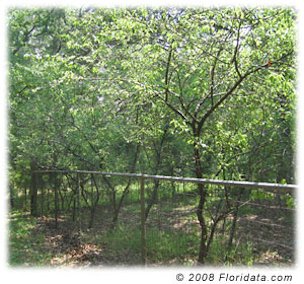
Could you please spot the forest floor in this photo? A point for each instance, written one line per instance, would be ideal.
(271, 243)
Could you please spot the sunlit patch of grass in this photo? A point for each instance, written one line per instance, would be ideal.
(239, 254)
(163, 246)
(25, 246)
(172, 247)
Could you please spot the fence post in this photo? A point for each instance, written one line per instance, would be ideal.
(143, 221)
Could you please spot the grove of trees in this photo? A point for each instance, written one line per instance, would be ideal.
(206, 93)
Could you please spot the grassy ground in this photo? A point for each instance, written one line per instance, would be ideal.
(173, 235)
(38, 243)
(26, 244)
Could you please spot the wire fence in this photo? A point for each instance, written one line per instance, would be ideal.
(146, 219)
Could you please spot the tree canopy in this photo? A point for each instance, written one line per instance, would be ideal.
(89, 85)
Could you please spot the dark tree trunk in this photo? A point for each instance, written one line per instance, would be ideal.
(153, 199)
(94, 202)
(25, 199)
(200, 208)
(154, 196)
(55, 185)
(200, 216)
(34, 190)
(117, 207)
(74, 202)
(62, 199)
(12, 203)
(212, 232)
(234, 222)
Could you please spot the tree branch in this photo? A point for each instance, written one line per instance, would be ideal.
(174, 109)
(234, 59)
(212, 74)
(167, 72)
(232, 89)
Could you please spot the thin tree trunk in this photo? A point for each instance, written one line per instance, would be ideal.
(48, 207)
(12, 203)
(93, 202)
(234, 222)
(117, 207)
(42, 199)
(200, 208)
(74, 202)
(153, 199)
(56, 201)
(34, 190)
(61, 197)
(78, 205)
(200, 216)
(159, 150)
(212, 232)
(25, 198)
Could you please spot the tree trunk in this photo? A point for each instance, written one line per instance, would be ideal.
(234, 222)
(200, 208)
(159, 150)
(55, 185)
(117, 207)
(94, 201)
(212, 232)
(200, 216)
(153, 199)
(11, 195)
(25, 199)
(34, 211)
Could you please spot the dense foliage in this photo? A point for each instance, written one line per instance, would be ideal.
(87, 86)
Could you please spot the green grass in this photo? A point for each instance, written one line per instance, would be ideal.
(239, 254)
(26, 247)
(170, 247)
(172, 237)
(162, 246)
(123, 245)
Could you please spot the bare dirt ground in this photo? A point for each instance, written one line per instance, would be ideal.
(272, 234)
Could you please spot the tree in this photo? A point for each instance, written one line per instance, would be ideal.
(203, 63)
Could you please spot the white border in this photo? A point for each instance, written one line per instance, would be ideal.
(135, 275)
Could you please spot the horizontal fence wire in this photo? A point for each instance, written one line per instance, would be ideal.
(245, 184)
(266, 206)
